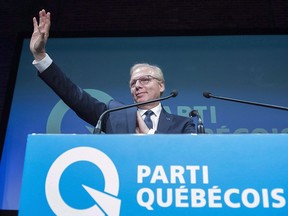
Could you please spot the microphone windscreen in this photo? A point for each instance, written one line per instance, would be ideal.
(174, 93)
(193, 113)
(207, 94)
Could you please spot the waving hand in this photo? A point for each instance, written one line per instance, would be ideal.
(40, 35)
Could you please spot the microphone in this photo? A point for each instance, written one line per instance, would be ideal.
(209, 95)
(200, 126)
(97, 129)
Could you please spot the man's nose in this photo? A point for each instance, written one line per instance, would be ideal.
(138, 84)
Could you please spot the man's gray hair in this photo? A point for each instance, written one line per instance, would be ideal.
(157, 72)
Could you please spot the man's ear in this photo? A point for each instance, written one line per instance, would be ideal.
(162, 87)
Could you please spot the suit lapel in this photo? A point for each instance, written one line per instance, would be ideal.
(164, 124)
(165, 120)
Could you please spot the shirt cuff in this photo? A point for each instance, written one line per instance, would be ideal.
(43, 64)
(151, 131)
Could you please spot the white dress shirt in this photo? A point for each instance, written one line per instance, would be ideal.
(154, 118)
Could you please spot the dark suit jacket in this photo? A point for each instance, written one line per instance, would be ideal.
(90, 109)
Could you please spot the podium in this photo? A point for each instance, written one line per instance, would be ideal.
(155, 175)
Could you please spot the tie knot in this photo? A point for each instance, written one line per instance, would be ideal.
(149, 113)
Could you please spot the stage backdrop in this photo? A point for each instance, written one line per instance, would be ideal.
(252, 68)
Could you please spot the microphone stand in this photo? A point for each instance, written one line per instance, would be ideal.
(200, 126)
(209, 95)
(98, 127)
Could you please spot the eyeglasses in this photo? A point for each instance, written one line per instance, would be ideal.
(143, 80)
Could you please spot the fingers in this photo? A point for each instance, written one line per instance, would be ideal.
(42, 16)
(47, 22)
(35, 24)
(44, 20)
(42, 28)
(141, 126)
(137, 130)
(139, 118)
(40, 34)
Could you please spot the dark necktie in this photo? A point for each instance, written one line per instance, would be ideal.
(147, 119)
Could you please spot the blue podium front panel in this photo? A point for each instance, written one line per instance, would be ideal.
(155, 175)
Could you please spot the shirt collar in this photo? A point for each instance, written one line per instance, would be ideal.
(156, 110)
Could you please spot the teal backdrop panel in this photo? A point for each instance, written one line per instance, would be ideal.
(248, 67)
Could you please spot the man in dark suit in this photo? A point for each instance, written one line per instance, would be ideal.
(146, 83)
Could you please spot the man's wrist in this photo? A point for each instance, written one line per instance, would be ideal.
(43, 64)
(39, 56)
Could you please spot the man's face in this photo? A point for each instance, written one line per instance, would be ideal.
(144, 85)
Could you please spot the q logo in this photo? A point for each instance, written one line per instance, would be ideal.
(60, 109)
(107, 202)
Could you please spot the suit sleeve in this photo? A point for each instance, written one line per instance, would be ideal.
(189, 126)
(83, 104)
(174, 124)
